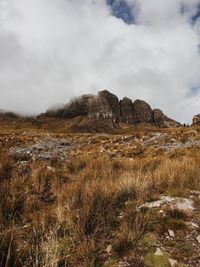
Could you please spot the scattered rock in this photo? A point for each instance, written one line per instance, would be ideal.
(171, 233)
(172, 202)
(154, 139)
(173, 262)
(161, 213)
(193, 225)
(198, 239)
(158, 252)
(195, 192)
(46, 149)
(180, 145)
(109, 249)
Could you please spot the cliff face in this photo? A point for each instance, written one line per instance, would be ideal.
(105, 109)
(126, 111)
(162, 121)
(142, 112)
(106, 105)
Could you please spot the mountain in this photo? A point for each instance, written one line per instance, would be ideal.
(106, 110)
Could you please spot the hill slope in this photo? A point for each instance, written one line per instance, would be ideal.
(97, 199)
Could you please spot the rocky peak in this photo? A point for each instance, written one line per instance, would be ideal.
(142, 112)
(105, 109)
(126, 110)
(108, 105)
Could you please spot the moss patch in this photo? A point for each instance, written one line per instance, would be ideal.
(152, 260)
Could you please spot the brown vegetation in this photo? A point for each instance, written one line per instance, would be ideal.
(68, 213)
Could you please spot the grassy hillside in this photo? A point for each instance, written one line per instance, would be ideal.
(82, 207)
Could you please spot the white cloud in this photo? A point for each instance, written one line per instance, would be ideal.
(51, 50)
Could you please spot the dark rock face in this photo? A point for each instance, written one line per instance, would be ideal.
(126, 110)
(106, 111)
(142, 112)
(196, 120)
(78, 107)
(106, 105)
(159, 117)
(162, 121)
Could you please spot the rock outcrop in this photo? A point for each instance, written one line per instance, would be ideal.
(162, 121)
(142, 112)
(126, 110)
(105, 110)
(107, 106)
(80, 106)
(196, 120)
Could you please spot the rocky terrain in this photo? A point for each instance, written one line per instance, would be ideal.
(126, 198)
(105, 110)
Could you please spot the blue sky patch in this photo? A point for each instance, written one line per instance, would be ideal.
(194, 90)
(196, 15)
(121, 10)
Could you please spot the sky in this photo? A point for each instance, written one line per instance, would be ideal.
(52, 50)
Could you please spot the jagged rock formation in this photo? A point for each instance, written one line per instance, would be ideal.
(106, 105)
(126, 110)
(105, 110)
(142, 112)
(76, 107)
(161, 120)
(196, 120)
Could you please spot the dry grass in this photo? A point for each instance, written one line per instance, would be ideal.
(66, 213)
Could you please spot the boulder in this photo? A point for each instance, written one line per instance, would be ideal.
(183, 204)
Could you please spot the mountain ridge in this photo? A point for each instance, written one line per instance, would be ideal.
(105, 108)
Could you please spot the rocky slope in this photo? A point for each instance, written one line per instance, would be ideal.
(106, 109)
(119, 200)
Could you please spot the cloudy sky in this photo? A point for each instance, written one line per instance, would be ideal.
(51, 50)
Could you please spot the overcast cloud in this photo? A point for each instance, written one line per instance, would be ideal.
(52, 50)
